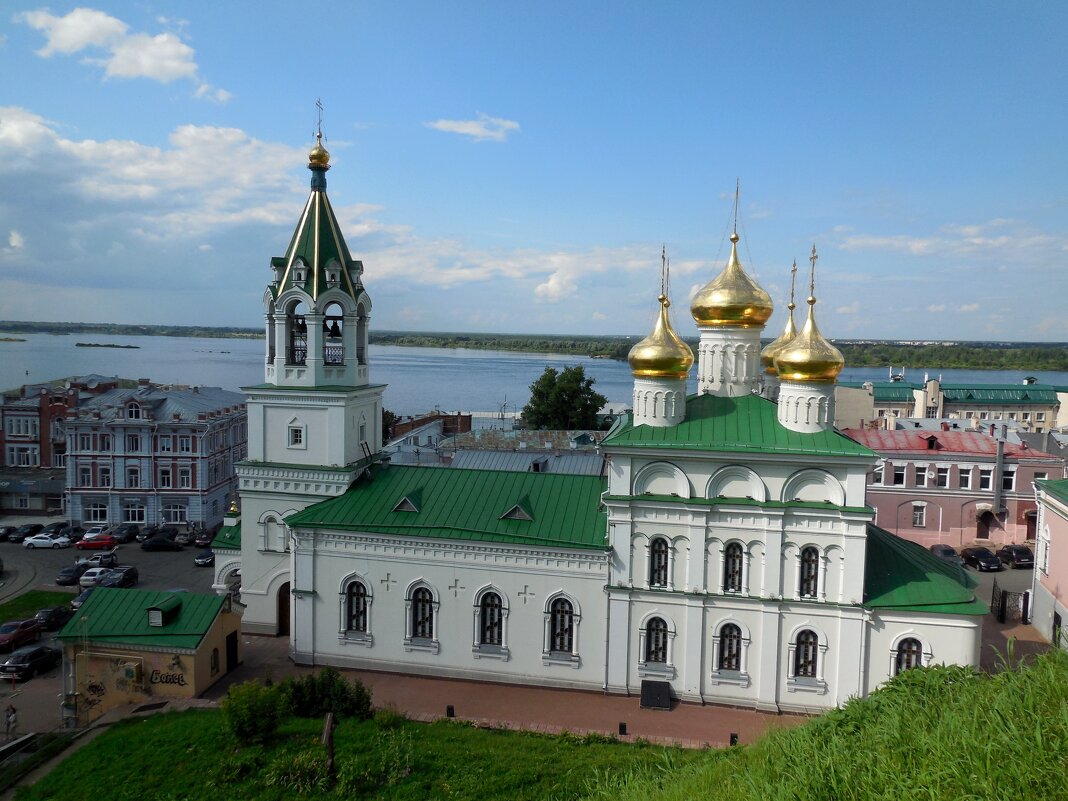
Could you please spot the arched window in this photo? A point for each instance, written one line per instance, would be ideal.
(909, 655)
(730, 648)
(491, 619)
(561, 626)
(296, 335)
(356, 608)
(658, 563)
(656, 640)
(133, 412)
(806, 654)
(810, 571)
(733, 559)
(333, 335)
(422, 614)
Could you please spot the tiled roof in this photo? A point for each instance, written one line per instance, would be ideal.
(1057, 488)
(451, 503)
(114, 615)
(745, 424)
(971, 443)
(900, 575)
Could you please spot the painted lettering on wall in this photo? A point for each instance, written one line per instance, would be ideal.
(159, 677)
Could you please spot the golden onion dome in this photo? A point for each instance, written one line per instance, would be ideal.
(319, 156)
(732, 297)
(662, 354)
(767, 356)
(808, 356)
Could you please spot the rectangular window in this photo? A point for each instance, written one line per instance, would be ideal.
(85, 442)
(166, 444)
(1008, 480)
(1040, 416)
(877, 474)
(105, 476)
(185, 478)
(185, 444)
(986, 479)
(1026, 415)
(899, 475)
(984, 415)
(165, 478)
(921, 476)
(1040, 476)
(85, 477)
(931, 412)
(296, 437)
(942, 477)
(133, 477)
(965, 478)
(919, 516)
(1012, 415)
(133, 443)
(105, 442)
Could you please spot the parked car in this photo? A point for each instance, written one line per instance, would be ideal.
(170, 532)
(160, 544)
(70, 574)
(96, 542)
(185, 537)
(105, 559)
(1017, 556)
(99, 528)
(53, 618)
(204, 537)
(204, 558)
(81, 598)
(15, 633)
(6, 531)
(119, 576)
(980, 559)
(22, 532)
(73, 533)
(91, 576)
(55, 528)
(43, 540)
(30, 660)
(147, 533)
(948, 553)
(126, 532)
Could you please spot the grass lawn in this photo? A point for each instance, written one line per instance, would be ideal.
(191, 755)
(29, 603)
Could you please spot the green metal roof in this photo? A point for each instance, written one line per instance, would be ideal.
(887, 391)
(900, 575)
(863, 510)
(745, 424)
(120, 616)
(1015, 394)
(228, 537)
(1058, 488)
(458, 504)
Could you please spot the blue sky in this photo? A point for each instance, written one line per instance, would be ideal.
(516, 167)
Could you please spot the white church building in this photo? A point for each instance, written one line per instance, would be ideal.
(730, 553)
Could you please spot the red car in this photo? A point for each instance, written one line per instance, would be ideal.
(103, 542)
(16, 633)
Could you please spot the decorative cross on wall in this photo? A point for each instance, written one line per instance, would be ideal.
(389, 580)
(456, 587)
(527, 592)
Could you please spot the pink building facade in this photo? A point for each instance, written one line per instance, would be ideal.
(1049, 588)
(955, 487)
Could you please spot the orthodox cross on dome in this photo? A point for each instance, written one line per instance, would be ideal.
(812, 276)
(319, 124)
(793, 282)
(737, 193)
(665, 271)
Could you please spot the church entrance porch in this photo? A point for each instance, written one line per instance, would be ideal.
(283, 610)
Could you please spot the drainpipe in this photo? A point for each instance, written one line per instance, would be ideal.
(999, 469)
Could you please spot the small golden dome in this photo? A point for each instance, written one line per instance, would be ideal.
(809, 357)
(662, 354)
(732, 297)
(319, 156)
(767, 356)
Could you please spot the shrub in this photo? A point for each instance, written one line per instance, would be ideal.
(253, 711)
(389, 718)
(313, 696)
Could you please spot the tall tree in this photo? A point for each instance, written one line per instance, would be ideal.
(563, 400)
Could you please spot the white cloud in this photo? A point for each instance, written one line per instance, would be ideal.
(852, 308)
(998, 238)
(969, 307)
(205, 248)
(599, 316)
(482, 128)
(15, 240)
(163, 57)
(936, 308)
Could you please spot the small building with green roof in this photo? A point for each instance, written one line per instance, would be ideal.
(130, 646)
(1049, 584)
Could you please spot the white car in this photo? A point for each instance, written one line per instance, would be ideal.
(95, 531)
(46, 541)
(91, 576)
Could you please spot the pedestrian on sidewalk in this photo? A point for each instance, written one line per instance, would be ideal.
(11, 721)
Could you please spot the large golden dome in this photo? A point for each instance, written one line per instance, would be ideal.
(809, 357)
(732, 297)
(662, 354)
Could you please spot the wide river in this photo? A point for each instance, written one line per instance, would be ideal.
(419, 379)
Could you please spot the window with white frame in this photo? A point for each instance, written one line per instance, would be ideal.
(22, 456)
(659, 558)
(133, 477)
(85, 476)
(105, 476)
(296, 437)
(899, 475)
(185, 444)
(1008, 480)
(133, 411)
(1040, 475)
(560, 643)
(490, 620)
(356, 612)
(1042, 558)
(85, 442)
(1040, 416)
(96, 513)
(810, 571)
(909, 655)
(729, 657)
(133, 513)
(166, 444)
(921, 475)
(964, 478)
(105, 442)
(421, 620)
(942, 477)
(185, 478)
(986, 478)
(806, 655)
(174, 513)
(22, 501)
(165, 478)
(733, 564)
(133, 443)
(877, 474)
(919, 515)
